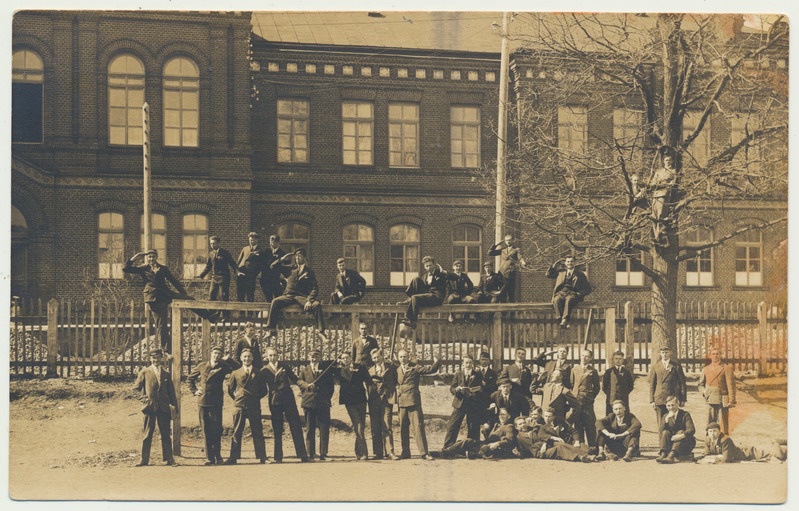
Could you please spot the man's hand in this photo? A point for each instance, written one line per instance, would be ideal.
(677, 437)
(543, 449)
(654, 406)
(556, 439)
(240, 273)
(612, 436)
(199, 392)
(577, 443)
(515, 380)
(308, 305)
(340, 294)
(492, 406)
(493, 446)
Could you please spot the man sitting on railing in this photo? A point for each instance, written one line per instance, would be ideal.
(301, 289)
(492, 286)
(350, 286)
(425, 291)
(571, 287)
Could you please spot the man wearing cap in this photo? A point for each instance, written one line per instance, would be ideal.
(361, 348)
(492, 287)
(381, 403)
(666, 378)
(273, 277)
(301, 289)
(677, 434)
(247, 386)
(717, 385)
(350, 286)
(316, 385)
(511, 400)
(571, 287)
(219, 264)
(282, 403)
(617, 383)
(155, 389)
(459, 287)
(465, 389)
(719, 448)
(250, 264)
(619, 434)
(250, 342)
(427, 290)
(510, 259)
(211, 375)
(409, 401)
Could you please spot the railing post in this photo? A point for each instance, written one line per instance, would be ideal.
(355, 323)
(610, 334)
(52, 338)
(177, 364)
(629, 333)
(762, 341)
(497, 349)
(206, 340)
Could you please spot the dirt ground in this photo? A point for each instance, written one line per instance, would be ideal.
(78, 440)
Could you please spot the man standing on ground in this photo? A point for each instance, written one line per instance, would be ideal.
(666, 378)
(381, 403)
(677, 434)
(557, 382)
(717, 385)
(585, 387)
(571, 287)
(154, 388)
(301, 289)
(617, 383)
(250, 263)
(350, 286)
(354, 386)
(210, 376)
(250, 342)
(282, 403)
(219, 264)
(316, 385)
(247, 387)
(465, 389)
(510, 260)
(361, 349)
(409, 400)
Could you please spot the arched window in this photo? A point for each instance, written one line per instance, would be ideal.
(195, 244)
(404, 239)
(294, 235)
(19, 253)
(359, 250)
(125, 99)
(467, 244)
(110, 244)
(699, 270)
(749, 258)
(181, 103)
(158, 229)
(27, 96)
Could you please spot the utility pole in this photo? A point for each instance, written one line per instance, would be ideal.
(147, 221)
(499, 222)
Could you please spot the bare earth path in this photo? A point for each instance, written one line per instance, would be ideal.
(84, 447)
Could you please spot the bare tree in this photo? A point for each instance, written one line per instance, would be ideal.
(656, 83)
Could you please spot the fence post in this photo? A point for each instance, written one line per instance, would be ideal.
(206, 340)
(762, 340)
(177, 364)
(355, 331)
(610, 334)
(52, 338)
(497, 349)
(629, 333)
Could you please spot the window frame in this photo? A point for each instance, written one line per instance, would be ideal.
(188, 84)
(358, 122)
(127, 88)
(748, 245)
(161, 232)
(403, 124)
(24, 78)
(354, 262)
(460, 249)
(629, 273)
(404, 277)
(200, 248)
(700, 149)
(293, 118)
(697, 277)
(290, 243)
(568, 126)
(462, 125)
(114, 235)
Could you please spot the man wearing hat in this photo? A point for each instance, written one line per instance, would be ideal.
(250, 264)
(316, 390)
(301, 289)
(218, 266)
(492, 286)
(210, 376)
(350, 286)
(511, 400)
(272, 278)
(666, 378)
(154, 388)
(459, 287)
(247, 386)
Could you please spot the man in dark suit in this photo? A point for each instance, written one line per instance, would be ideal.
(501, 440)
(571, 287)
(282, 403)
(247, 386)
(459, 287)
(619, 434)
(155, 389)
(519, 374)
(409, 401)
(361, 349)
(489, 381)
(157, 294)
(513, 401)
(250, 342)
(301, 289)
(719, 448)
(427, 290)
(210, 376)
(556, 383)
(617, 383)
(465, 389)
(585, 387)
(250, 263)
(350, 286)
(219, 264)
(666, 378)
(273, 277)
(381, 403)
(316, 385)
(354, 386)
(677, 434)
(559, 441)
(510, 260)
(492, 287)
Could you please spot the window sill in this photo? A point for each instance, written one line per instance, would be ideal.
(714, 287)
(750, 288)
(630, 288)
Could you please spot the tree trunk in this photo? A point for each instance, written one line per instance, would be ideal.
(664, 300)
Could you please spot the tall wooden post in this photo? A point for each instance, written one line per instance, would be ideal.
(52, 339)
(762, 338)
(497, 348)
(147, 221)
(499, 220)
(610, 334)
(629, 335)
(177, 366)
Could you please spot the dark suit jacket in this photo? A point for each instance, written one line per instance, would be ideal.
(629, 423)
(302, 284)
(257, 357)
(156, 393)
(516, 404)
(384, 387)
(585, 384)
(617, 383)
(489, 383)
(155, 282)
(508, 257)
(219, 264)
(525, 377)
(250, 261)
(565, 373)
(528, 443)
(353, 385)
(351, 283)
(363, 354)
(319, 394)
(280, 392)
(461, 284)
(726, 449)
(493, 284)
(663, 383)
(247, 391)
(210, 381)
(682, 423)
(558, 428)
(578, 282)
(408, 383)
(437, 287)
(505, 434)
(466, 399)
(274, 273)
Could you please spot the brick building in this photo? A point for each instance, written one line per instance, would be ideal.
(350, 134)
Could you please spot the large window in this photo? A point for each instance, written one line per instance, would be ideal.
(359, 250)
(573, 128)
(27, 77)
(404, 239)
(748, 258)
(181, 103)
(294, 235)
(195, 244)
(125, 99)
(627, 126)
(158, 230)
(700, 147)
(464, 136)
(19, 253)
(467, 244)
(628, 270)
(110, 245)
(357, 124)
(403, 135)
(699, 270)
(292, 131)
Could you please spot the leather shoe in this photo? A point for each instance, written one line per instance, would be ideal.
(274, 462)
(601, 457)
(208, 463)
(263, 460)
(322, 458)
(305, 460)
(171, 463)
(390, 456)
(427, 457)
(627, 458)
(668, 460)
(231, 461)
(141, 464)
(585, 458)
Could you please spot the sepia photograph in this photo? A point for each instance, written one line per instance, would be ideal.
(330, 254)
